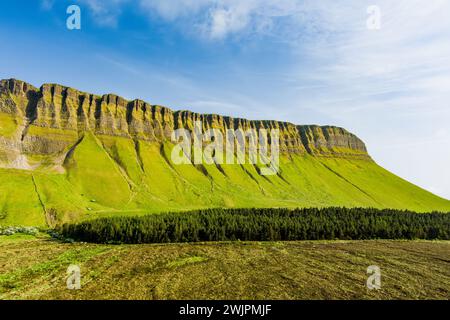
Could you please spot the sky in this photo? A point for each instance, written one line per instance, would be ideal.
(302, 61)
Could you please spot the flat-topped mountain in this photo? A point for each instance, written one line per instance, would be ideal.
(69, 155)
(65, 110)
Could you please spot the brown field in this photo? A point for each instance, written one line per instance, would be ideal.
(35, 268)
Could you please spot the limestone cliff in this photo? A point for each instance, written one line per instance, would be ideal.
(84, 156)
(51, 119)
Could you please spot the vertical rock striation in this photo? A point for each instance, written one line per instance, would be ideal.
(51, 119)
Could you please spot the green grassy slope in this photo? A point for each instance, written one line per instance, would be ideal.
(107, 176)
(18, 199)
(84, 156)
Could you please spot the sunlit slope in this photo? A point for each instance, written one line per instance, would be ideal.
(117, 176)
(19, 202)
(67, 155)
(385, 188)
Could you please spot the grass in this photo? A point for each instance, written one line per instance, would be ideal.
(186, 261)
(35, 268)
(8, 125)
(58, 135)
(95, 173)
(19, 203)
(116, 176)
(39, 263)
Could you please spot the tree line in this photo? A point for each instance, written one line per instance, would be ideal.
(263, 225)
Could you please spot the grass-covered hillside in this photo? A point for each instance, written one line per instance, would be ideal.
(106, 178)
(68, 156)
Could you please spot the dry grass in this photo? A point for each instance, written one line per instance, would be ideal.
(33, 268)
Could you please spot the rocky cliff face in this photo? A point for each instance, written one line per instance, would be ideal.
(115, 157)
(49, 120)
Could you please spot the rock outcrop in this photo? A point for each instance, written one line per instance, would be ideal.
(83, 156)
(52, 118)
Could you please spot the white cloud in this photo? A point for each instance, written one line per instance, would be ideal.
(174, 9)
(248, 17)
(105, 13)
(224, 21)
(214, 19)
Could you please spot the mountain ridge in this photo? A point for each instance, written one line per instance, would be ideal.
(58, 107)
(66, 155)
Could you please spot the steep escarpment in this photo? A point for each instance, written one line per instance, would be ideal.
(334, 141)
(67, 155)
(53, 117)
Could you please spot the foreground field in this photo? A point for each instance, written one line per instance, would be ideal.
(35, 268)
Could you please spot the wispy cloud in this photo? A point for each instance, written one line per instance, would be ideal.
(342, 66)
(213, 19)
(105, 13)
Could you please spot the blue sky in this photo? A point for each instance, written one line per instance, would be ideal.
(293, 60)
